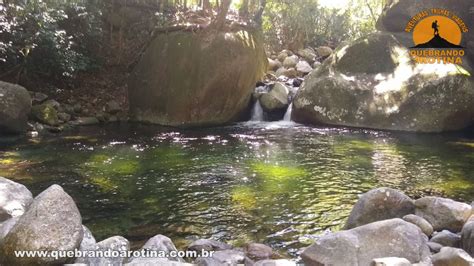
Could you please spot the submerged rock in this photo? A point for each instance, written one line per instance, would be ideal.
(443, 213)
(52, 222)
(374, 83)
(197, 79)
(15, 105)
(208, 245)
(380, 204)
(14, 199)
(359, 246)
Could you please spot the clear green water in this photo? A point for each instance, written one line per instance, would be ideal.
(273, 183)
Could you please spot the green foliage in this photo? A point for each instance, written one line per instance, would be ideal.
(47, 39)
(299, 23)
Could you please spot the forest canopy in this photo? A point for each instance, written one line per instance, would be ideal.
(59, 38)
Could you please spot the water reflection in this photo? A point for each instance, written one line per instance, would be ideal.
(277, 183)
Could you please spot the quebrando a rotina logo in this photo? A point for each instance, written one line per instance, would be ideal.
(437, 36)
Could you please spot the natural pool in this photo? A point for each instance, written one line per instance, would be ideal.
(276, 183)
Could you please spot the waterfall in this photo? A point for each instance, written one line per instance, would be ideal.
(257, 112)
(287, 116)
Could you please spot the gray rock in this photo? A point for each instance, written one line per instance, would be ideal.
(290, 61)
(229, 256)
(276, 99)
(280, 262)
(155, 261)
(15, 105)
(38, 97)
(256, 251)
(88, 244)
(207, 262)
(88, 241)
(115, 243)
(449, 256)
(443, 213)
(308, 54)
(303, 67)
(7, 226)
(85, 121)
(113, 107)
(208, 245)
(434, 247)
(281, 72)
(447, 239)
(393, 238)
(53, 103)
(351, 89)
(162, 90)
(391, 261)
(467, 236)
(282, 56)
(273, 64)
(380, 204)
(161, 243)
(324, 51)
(14, 199)
(52, 222)
(423, 224)
(65, 117)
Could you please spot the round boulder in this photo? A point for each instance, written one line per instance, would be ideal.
(443, 213)
(423, 224)
(200, 78)
(380, 204)
(14, 199)
(15, 105)
(467, 236)
(361, 245)
(373, 82)
(51, 223)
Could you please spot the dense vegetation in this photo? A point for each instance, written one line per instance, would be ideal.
(55, 39)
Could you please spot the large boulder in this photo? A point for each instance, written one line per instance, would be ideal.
(359, 246)
(374, 83)
(15, 105)
(443, 213)
(447, 239)
(380, 204)
(467, 236)
(14, 199)
(52, 223)
(196, 78)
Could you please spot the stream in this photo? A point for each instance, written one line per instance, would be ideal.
(278, 183)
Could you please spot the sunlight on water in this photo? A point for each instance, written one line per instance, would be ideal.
(274, 182)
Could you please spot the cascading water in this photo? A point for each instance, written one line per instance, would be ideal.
(257, 112)
(287, 116)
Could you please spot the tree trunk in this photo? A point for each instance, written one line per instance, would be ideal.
(244, 9)
(222, 15)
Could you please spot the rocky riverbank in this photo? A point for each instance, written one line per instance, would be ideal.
(385, 227)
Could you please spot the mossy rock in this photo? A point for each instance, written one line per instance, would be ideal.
(197, 79)
(45, 114)
(374, 83)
